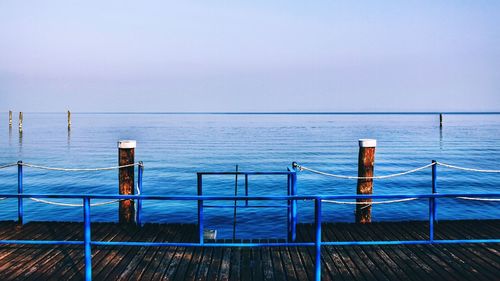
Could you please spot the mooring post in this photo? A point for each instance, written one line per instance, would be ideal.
(440, 120)
(20, 121)
(20, 210)
(366, 162)
(10, 118)
(69, 120)
(126, 151)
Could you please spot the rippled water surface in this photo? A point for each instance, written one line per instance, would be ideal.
(175, 146)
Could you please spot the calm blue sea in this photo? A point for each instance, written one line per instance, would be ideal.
(175, 146)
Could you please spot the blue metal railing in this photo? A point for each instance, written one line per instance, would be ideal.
(291, 198)
(318, 243)
(291, 206)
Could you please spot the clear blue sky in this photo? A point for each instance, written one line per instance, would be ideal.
(250, 55)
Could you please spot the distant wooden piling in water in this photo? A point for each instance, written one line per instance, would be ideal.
(69, 120)
(10, 118)
(440, 120)
(126, 152)
(20, 121)
(366, 162)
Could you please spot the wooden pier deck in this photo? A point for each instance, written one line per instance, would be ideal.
(411, 262)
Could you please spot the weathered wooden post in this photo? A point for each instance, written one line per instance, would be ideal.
(366, 162)
(20, 121)
(10, 118)
(440, 120)
(126, 151)
(69, 120)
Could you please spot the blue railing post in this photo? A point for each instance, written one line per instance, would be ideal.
(200, 208)
(20, 209)
(246, 189)
(432, 203)
(87, 238)
(294, 206)
(317, 242)
(139, 189)
(289, 208)
(434, 187)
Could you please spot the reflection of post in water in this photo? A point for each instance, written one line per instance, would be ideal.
(69, 138)
(10, 135)
(20, 140)
(441, 138)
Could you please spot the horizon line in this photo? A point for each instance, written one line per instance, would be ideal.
(270, 112)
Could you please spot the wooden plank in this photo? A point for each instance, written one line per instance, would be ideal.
(150, 258)
(419, 268)
(17, 258)
(358, 269)
(131, 265)
(329, 268)
(113, 263)
(447, 260)
(298, 264)
(483, 266)
(215, 265)
(44, 258)
(246, 262)
(101, 254)
(396, 263)
(287, 262)
(190, 260)
(225, 264)
(28, 231)
(56, 264)
(162, 259)
(258, 273)
(277, 265)
(304, 252)
(479, 251)
(427, 253)
(338, 269)
(177, 258)
(370, 255)
(443, 262)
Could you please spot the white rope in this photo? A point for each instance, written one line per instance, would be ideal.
(302, 168)
(368, 204)
(79, 205)
(8, 165)
(480, 199)
(467, 169)
(72, 205)
(78, 169)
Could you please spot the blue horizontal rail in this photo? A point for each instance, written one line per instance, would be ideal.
(243, 198)
(244, 206)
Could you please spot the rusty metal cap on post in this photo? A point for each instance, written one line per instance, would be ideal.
(367, 143)
(127, 144)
